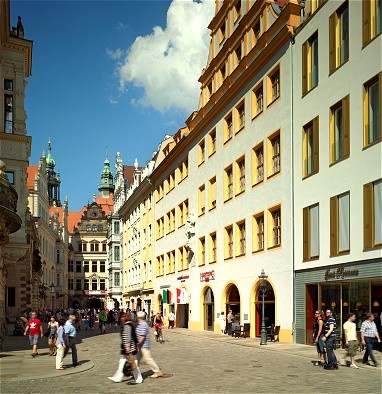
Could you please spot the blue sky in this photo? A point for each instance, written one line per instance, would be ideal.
(109, 76)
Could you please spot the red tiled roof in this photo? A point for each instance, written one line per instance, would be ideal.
(31, 174)
(74, 218)
(107, 204)
(128, 173)
(59, 210)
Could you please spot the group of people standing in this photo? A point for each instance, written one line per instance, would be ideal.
(61, 337)
(324, 336)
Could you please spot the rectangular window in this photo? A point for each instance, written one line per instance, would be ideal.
(160, 228)
(202, 251)
(70, 284)
(274, 228)
(257, 100)
(94, 266)
(340, 130)
(371, 19)
(11, 296)
(212, 193)
(182, 171)
(239, 117)
(78, 284)
(228, 242)
(372, 214)
(104, 247)
(372, 111)
(240, 238)
(212, 248)
(258, 232)
(202, 200)
(8, 106)
(102, 266)
(228, 128)
(201, 152)
(70, 266)
(310, 63)
(315, 4)
(117, 256)
(78, 266)
(117, 279)
(258, 164)
(273, 85)
(10, 176)
(255, 33)
(339, 37)
(102, 284)
(183, 213)
(340, 224)
(310, 147)
(222, 74)
(228, 183)
(116, 227)
(86, 284)
(240, 176)
(311, 243)
(274, 154)
(86, 266)
(212, 142)
(222, 33)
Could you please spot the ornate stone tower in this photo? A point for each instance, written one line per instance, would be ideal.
(106, 187)
(54, 180)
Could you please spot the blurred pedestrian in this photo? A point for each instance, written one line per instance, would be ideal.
(318, 333)
(329, 339)
(368, 333)
(53, 326)
(71, 333)
(222, 322)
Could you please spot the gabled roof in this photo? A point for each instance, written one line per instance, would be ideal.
(31, 175)
(74, 218)
(128, 173)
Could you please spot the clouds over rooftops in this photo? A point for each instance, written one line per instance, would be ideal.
(168, 62)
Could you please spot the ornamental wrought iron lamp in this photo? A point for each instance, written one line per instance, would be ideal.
(263, 289)
(52, 288)
(41, 290)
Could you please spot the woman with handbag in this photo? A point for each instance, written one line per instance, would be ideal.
(129, 351)
(52, 327)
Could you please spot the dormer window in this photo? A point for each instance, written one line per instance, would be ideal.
(222, 36)
(237, 11)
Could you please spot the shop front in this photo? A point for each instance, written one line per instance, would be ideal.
(353, 287)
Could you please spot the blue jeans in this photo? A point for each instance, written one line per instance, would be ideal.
(331, 357)
(369, 350)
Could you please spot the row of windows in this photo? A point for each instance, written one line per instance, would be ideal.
(8, 120)
(234, 242)
(87, 284)
(339, 40)
(170, 220)
(94, 246)
(339, 134)
(84, 266)
(94, 228)
(134, 274)
(340, 223)
(169, 184)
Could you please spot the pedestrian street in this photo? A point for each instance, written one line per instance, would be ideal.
(192, 362)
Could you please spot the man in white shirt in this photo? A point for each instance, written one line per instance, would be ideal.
(171, 320)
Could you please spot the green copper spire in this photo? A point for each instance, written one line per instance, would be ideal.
(106, 186)
(50, 163)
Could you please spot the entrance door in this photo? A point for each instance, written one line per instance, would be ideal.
(209, 310)
(269, 309)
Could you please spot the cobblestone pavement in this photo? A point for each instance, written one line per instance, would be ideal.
(193, 362)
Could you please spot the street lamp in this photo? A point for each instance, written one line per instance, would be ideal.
(263, 288)
(52, 289)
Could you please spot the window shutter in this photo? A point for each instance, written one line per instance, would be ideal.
(305, 230)
(333, 226)
(316, 145)
(304, 67)
(346, 125)
(366, 33)
(368, 216)
(332, 42)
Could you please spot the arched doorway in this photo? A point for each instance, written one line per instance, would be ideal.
(95, 303)
(269, 308)
(139, 304)
(233, 301)
(160, 304)
(209, 309)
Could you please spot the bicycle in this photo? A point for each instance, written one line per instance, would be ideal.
(159, 333)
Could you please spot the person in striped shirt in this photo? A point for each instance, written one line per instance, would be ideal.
(368, 333)
(329, 339)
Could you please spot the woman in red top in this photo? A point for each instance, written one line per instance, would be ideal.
(34, 327)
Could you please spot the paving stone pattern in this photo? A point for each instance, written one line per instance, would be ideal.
(193, 362)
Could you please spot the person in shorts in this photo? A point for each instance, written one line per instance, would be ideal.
(351, 342)
(34, 327)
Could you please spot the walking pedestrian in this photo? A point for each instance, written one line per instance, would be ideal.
(171, 319)
(34, 326)
(368, 333)
(318, 333)
(53, 326)
(222, 322)
(143, 335)
(102, 318)
(229, 322)
(351, 342)
(330, 339)
(129, 340)
(71, 333)
(60, 344)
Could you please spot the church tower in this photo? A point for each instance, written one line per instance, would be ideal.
(54, 180)
(106, 187)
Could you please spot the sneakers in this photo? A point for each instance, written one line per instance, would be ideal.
(354, 366)
(157, 374)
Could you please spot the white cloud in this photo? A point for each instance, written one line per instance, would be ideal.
(168, 62)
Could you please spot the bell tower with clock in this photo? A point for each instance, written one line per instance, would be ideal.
(106, 187)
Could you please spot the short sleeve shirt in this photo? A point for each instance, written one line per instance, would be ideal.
(34, 327)
(350, 327)
(331, 320)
